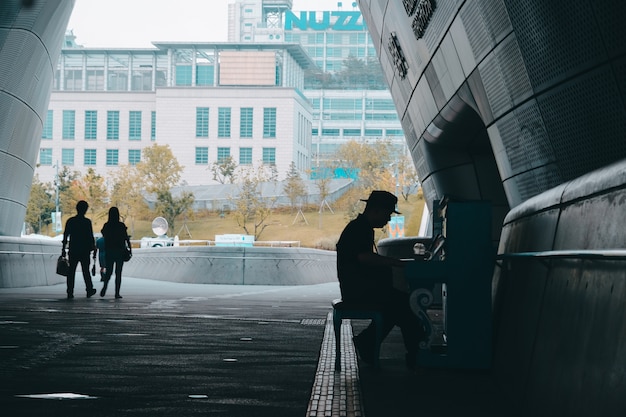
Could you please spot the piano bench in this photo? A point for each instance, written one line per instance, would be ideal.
(342, 311)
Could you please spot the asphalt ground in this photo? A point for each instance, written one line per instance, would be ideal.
(165, 349)
(169, 349)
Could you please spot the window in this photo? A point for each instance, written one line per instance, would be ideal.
(46, 133)
(90, 157)
(69, 120)
(134, 125)
(395, 132)
(202, 122)
(204, 75)
(352, 132)
(91, 124)
(113, 157)
(223, 122)
(245, 156)
(245, 122)
(330, 132)
(222, 154)
(269, 122)
(269, 156)
(373, 132)
(45, 156)
(183, 74)
(153, 126)
(134, 156)
(67, 157)
(202, 155)
(113, 125)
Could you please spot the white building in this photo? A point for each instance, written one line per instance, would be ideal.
(207, 101)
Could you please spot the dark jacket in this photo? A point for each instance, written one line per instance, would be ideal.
(80, 233)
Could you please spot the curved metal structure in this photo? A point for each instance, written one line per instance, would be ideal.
(31, 35)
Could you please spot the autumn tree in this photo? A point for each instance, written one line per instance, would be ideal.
(91, 188)
(294, 186)
(41, 204)
(368, 162)
(126, 194)
(224, 170)
(160, 172)
(63, 182)
(251, 209)
(407, 179)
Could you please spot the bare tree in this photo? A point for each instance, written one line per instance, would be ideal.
(251, 209)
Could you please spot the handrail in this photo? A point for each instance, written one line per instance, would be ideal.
(593, 254)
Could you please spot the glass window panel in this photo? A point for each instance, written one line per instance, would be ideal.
(45, 156)
(269, 156)
(67, 157)
(134, 125)
(202, 155)
(223, 122)
(245, 156)
(113, 157)
(134, 156)
(222, 154)
(202, 122)
(246, 122)
(46, 133)
(113, 125)
(91, 124)
(90, 157)
(183, 75)
(69, 124)
(269, 122)
(153, 126)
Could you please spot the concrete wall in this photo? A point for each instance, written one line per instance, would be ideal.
(28, 262)
(561, 324)
(234, 265)
(32, 262)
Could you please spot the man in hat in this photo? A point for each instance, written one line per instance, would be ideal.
(365, 279)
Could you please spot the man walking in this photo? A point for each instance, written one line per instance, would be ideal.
(79, 232)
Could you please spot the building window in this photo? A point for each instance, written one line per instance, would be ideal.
(202, 122)
(374, 132)
(113, 157)
(269, 156)
(113, 125)
(153, 126)
(245, 156)
(223, 122)
(134, 125)
(45, 156)
(67, 157)
(202, 155)
(204, 75)
(134, 156)
(222, 154)
(352, 132)
(46, 133)
(395, 132)
(246, 122)
(269, 122)
(183, 74)
(90, 157)
(91, 124)
(330, 132)
(69, 120)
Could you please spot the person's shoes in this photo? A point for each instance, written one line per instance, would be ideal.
(364, 350)
(103, 291)
(118, 296)
(91, 292)
(70, 296)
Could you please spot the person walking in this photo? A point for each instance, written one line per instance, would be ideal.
(79, 232)
(101, 256)
(116, 242)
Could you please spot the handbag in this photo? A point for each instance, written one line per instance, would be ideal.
(63, 266)
(127, 255)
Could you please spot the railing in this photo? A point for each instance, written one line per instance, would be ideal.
(586, 254)
(263, 243)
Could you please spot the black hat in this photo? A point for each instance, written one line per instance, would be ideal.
(383, 199)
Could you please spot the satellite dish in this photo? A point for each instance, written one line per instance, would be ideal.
(159, 226)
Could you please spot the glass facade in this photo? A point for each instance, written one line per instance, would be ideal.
(46, 132)
(89, 157)
(222, 154)
(269, 122)
(67, 157)
(153, 126)
(269, 156)
(113, 157)
(45, 156)
(223, 122)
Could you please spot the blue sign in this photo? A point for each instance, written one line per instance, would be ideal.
(340, 21)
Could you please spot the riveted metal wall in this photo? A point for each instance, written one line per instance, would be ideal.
(30, 43)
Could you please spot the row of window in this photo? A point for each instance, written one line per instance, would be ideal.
(91, 125)
(268, 156)
(246, 122)
(89, 157)
(358, 132)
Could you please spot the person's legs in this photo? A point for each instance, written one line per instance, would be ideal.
(71, 276)
(400, 313)
(118, 277)
(84, 263)
(107, 275)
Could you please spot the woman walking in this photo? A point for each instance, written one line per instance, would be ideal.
(116, 240)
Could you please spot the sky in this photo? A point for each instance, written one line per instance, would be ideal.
(138, 23)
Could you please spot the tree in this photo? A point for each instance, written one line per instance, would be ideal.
(91, 188)
(67, 200)
(294, 186)
(126, 194)
(224, 170)
(407, 178)
(251, 209)
(169, 207)
(41, 205)
(367, 162)
(159, 169)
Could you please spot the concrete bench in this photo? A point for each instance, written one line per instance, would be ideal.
(342, 311)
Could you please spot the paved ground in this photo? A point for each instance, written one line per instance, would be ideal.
(170, 349)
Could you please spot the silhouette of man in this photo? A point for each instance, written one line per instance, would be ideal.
(79, 232)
